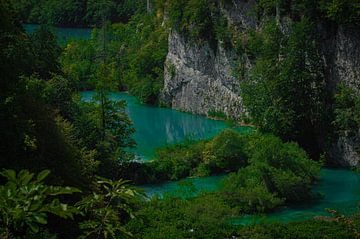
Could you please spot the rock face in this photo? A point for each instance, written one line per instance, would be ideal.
(198, 78)
(341, 53)
(343, 151)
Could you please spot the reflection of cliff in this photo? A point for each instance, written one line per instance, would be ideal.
(199, 77)
(158, 126)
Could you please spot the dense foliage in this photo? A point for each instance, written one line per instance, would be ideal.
(208, 216)
(277, 172)
(76, 12)
(27, 201)
(135, 52)
(225, 152)
(46, 125)
(285, 91)
(347, 111)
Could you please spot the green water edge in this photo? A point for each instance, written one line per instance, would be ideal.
(63, 34)
(157, 127)
(339, 190)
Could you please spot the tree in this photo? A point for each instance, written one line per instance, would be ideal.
(46, 52)
(285, 92)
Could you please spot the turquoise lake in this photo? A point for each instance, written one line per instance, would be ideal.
(159, 126)
(63, 34)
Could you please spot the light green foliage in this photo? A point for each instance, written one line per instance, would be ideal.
(217, 114)
(277, 171)
(26, 201)
(246, 191)
(105, 210)
(225, 151)
(315, 229)
(177, 161)
(203, 217)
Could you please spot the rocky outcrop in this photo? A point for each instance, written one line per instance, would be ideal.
(199, 78)
(340, 48)
(344, 151)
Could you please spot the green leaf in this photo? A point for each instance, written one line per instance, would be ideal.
(42, 175)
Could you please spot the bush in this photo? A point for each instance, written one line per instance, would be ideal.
(225, 151)
(278, 172)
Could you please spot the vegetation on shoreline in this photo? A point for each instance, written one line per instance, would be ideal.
(135, 52)
(75, 12)
(46, 127)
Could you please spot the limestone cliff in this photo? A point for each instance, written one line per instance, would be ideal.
(199, 78)
(341, 54)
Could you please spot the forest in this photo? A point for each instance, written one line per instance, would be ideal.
(68, 167)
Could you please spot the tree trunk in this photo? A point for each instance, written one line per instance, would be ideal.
(148, 6)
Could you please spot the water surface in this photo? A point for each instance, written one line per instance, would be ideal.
(339, 189)
(156, 127)
(63, 34)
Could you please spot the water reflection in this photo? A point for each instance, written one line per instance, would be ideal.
(156, 127)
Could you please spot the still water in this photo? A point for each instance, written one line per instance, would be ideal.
(157, 127)
(160, 126)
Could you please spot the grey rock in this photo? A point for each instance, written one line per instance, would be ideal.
(199, 79)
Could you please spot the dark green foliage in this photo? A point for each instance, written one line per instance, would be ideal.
(200, 20)
(342, 11)
(143, 43)
(76, 12)
(277, 171)
(40, 122)
(78, 63)
(315, 229)
(347, 112)
(46, 52)
(135, 52)
(26, 201)
(285, 92)
(105, 210)
(202, 217)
